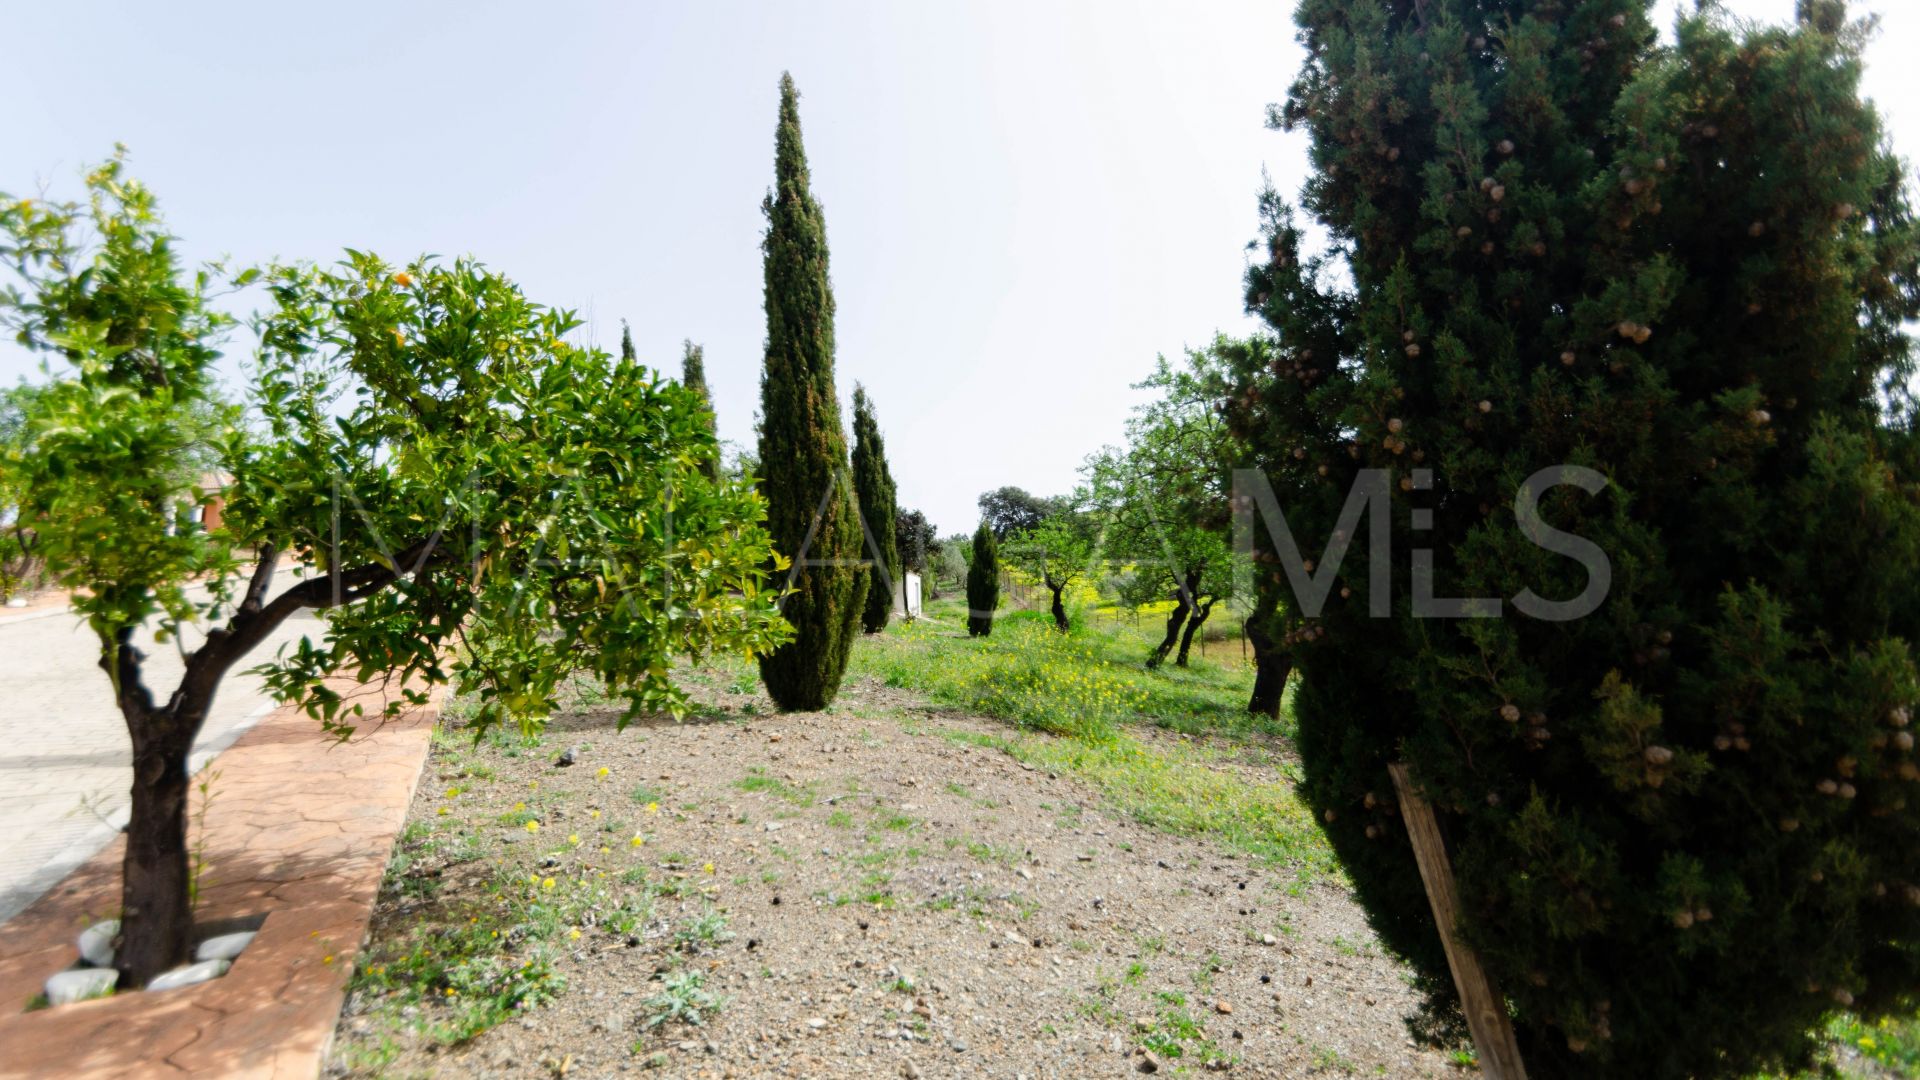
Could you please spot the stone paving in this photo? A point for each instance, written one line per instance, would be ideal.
(64, 757)
(298, 831)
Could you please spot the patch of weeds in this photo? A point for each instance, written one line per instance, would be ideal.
(1347, 948)
(1326, 1058)
(463, 975)
(894, 821)
(705, 930)
(840, 819)
(628, 916)
(683, 998)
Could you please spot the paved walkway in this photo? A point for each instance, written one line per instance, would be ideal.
(298, 833)
(65, 763)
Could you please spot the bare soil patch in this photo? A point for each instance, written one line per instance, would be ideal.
(896, 901)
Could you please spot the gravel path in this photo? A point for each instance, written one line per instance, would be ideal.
(901, 902)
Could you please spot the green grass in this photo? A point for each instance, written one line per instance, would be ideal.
(1079, 702)
(758, 780)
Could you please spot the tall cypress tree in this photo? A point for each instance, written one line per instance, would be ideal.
(803, 450)
(693, 376)
(626, 341)
(983, 582)
(1683, 824)
(873, 481)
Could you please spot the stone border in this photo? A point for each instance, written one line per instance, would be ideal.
(299, 831)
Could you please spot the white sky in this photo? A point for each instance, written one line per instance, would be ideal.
(1025, 201)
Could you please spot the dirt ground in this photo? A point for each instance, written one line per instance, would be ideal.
(897, 901)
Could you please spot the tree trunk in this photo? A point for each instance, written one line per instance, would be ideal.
(156, 910)
(1193, 627)
(1271, 666)
(1059, 609)
(1182, 606)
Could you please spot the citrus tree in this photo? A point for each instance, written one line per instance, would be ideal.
(469, 496)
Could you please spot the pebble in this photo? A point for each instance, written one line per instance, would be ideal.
(1223, 1008)
(817, 1023)
(224, 947)
(96, 942)
(1148, 1063)
(189, 975)
(909, 1071)
(79, 984)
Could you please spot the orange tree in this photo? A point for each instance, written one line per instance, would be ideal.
(472, 498)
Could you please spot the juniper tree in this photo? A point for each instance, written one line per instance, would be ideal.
(803, 450)
(873, 482)
(693, 376)
(983, 582)
(1683, 824)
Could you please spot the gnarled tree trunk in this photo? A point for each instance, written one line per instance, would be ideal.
(1271, 666)
(1177, 618)
(1193, 627)
(1059, 608)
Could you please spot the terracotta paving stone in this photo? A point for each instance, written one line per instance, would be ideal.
(298, 830)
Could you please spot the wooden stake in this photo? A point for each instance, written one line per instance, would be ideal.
(1486, 1010)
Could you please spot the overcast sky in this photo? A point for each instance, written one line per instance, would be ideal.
(1025, 201)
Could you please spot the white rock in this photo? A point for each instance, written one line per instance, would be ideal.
(96, 942)
(80, 984)
(224, 947)
(189, 975)
(17, 602)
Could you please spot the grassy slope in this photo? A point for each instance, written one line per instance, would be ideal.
(1232, 778)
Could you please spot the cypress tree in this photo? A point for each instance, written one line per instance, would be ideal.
(873, 482)
(1683, 825)
(693, 376)
(983, 582)
(626, 341)
(803, 449)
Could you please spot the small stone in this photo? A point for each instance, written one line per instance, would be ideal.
(1223, 1008)
(96, 942)
(189, 975)
(909, 1071)
(1148, 1063)
(224, 947)
(79, 984)
(817, 1023)
(959, 1045)
(565, 759)
(1268, 939)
